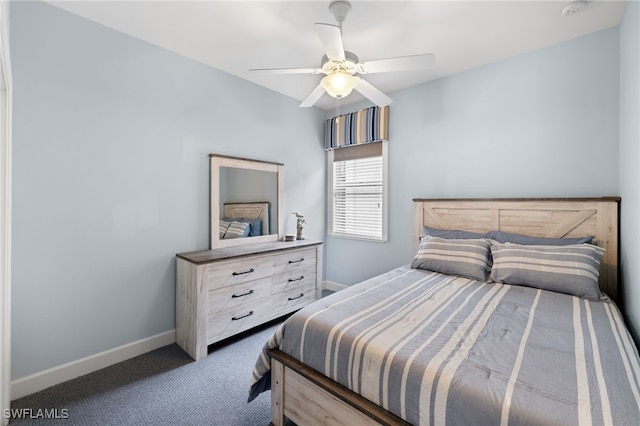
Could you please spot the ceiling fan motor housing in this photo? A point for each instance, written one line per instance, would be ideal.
(348, 65)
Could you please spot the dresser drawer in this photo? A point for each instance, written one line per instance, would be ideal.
(228, 322)
(296, 279)
(230, 272)
(243, 294)
(285, 302)
(293, 260)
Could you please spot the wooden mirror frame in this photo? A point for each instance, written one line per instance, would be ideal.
(218, 161)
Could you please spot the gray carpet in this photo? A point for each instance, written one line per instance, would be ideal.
(163, 387)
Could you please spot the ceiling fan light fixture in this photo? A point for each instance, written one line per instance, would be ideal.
(339, 84)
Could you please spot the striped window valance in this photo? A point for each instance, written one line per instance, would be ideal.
(360, 127)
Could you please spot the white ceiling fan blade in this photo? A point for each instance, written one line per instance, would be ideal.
(374, 95)
(331, 39)
(287, 70)
(313, 97)
(402, 63)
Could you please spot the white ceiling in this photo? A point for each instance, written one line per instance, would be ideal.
(235, 36)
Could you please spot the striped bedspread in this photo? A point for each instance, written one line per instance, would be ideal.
(438, 349)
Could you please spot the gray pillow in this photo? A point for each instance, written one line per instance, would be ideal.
(255, 228)
(453, 234)
(571, 269)
(507, 237)
(224, 225)
(237, 230)
(464, 257)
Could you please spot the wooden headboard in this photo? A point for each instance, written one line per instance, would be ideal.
(249, 211)
(540, 217)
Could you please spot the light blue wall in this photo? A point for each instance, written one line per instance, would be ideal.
(110, 144)
(541, 124)
(629, 162)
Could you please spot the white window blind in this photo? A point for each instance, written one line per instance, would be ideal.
(358, 192)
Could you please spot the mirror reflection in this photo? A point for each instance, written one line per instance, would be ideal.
(243, 186)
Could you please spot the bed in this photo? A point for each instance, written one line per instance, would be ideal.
(419, 346)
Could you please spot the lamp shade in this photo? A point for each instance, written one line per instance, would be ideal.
(339, 84)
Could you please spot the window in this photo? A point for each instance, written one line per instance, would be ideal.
(358, 192)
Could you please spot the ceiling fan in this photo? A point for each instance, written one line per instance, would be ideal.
(340, 66)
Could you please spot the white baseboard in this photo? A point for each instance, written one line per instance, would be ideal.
(328, 285)
(53, 376)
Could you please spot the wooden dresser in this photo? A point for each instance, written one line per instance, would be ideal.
(224, 291)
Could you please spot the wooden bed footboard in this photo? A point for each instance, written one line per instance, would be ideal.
(309, 398)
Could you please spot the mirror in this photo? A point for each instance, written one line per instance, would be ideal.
(246, 191)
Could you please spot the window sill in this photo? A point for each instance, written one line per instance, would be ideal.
(358, 237)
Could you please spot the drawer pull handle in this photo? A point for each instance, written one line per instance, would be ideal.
(243, 294)
(297, 261)
(297, 297)
(291, 280)
(243, 316)
(245, 272)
